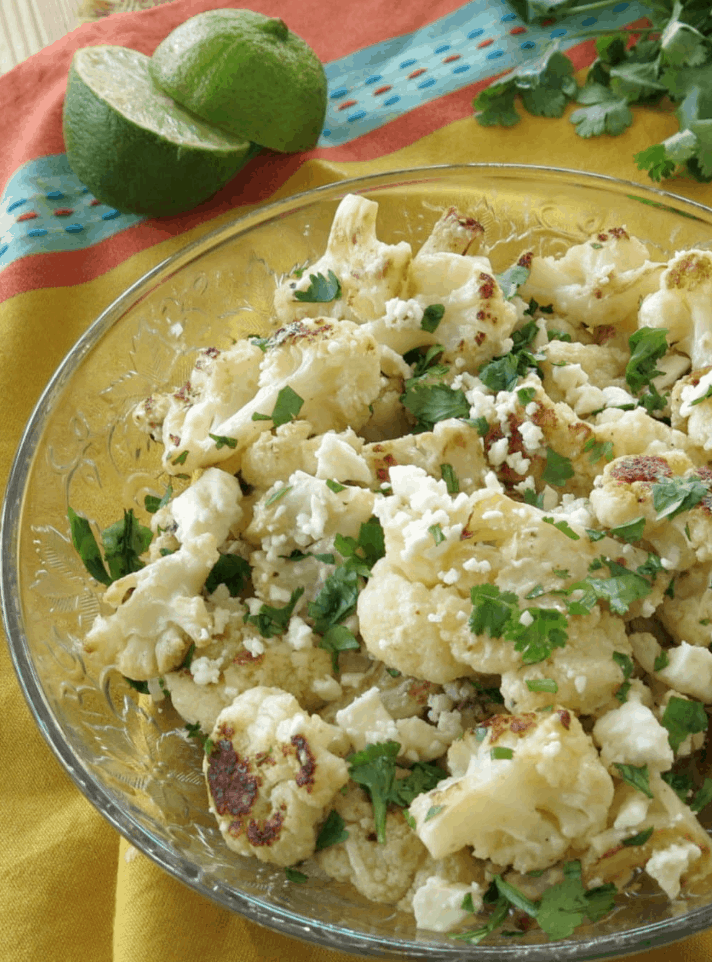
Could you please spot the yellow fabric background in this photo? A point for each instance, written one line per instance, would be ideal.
(72, 890)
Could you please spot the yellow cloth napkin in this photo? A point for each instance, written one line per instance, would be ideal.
(72, 890)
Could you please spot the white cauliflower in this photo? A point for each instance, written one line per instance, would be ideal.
(159, 611)
(333, 368)
(453, 233)
(681, 305)
(369, 271)
(382, 871)
(272, 774)
(211, 504)
(599, 282)
(241, 659)
(691, 407)
(672, 842)
(687, 614)
(551, 792)
(477, 321)
(367, 721)
(451, 442)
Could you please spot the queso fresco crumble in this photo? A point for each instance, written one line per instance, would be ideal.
(437, 598)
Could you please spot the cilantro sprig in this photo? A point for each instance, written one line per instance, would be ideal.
(321, 289)
(123, 542)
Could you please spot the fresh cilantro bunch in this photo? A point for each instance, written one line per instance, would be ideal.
(669, 63)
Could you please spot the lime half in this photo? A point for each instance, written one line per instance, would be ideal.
(247, 74)
(132, 146)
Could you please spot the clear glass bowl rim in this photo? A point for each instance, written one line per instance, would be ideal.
(274, 917)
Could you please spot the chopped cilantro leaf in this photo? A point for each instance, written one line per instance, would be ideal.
(629, 532)
(558, 469)
(535, 641)
(450, 478)
(703, 397)
(433, 811)
(336, 639)
(702, 797)
(492, 610)
(683, 717)
(270, 620)
(640, 839)
(321, 290)
(374, 769)
(153, 504)
(635, 775)
(140, 686)
(680, 783)
(230, 570)
(531, 497)
(672, 496)
(432, 316)
(512, 279)
(294, 875)
(542, 684)
(430, 403)
(661, 661)
(86, 546)
(437, 532)
(336, 600)
(564, 527)
(625, 663)
(481, 425)
(503, 372)
(526, 395)
(335, 486)
(332, 832)
(647, 345)
(221, 441)
(422, 777)
(276, 495)
(620, 590)
(286, 408)
(363, 552)
(194, 731)
(598, 450)
(500, 752)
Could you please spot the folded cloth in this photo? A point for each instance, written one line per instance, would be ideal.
(401, 81)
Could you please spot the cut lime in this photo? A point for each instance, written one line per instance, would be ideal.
(247, 74)
(132, 146)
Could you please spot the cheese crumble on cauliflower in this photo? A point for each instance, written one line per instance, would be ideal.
(437, 599)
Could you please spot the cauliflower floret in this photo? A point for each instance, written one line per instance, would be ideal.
(687, 615)
(369, 272)
(210, 504)
(584, 672)
(242, 660)
(478, 321)
(632, 735)
(453, 233)
(334, 369)
(625, 490)
(383, 872)
(681, 305)
(635, 432)
(272, 775)
(673, 824)
(275, 456)
(367, 721)
(437, 904)
(159, 612)
(450, 442)
(551, 792)
(308, 512)
(580, 374)
(691, 407)
(599, 282)
(392, 611)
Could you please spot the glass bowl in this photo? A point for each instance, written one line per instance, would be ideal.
(134, 760)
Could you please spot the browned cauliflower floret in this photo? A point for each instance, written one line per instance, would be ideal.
(599, 282)
(369, 271)
(272, 774)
